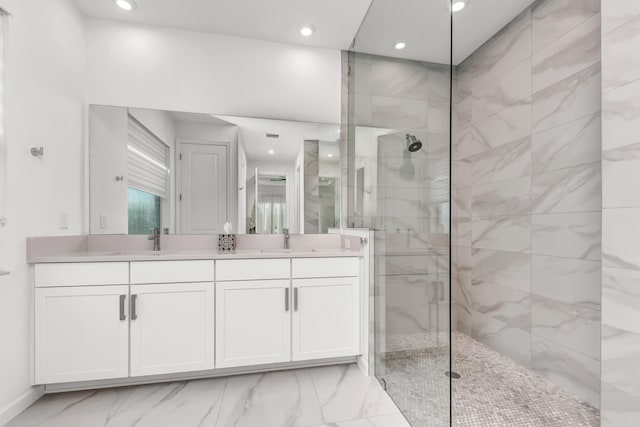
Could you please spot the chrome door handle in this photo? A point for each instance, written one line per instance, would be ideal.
(286, 299)
(134, 315)
(123, 316)
(295, 299)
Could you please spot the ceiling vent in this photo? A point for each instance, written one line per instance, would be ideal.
(273, 135)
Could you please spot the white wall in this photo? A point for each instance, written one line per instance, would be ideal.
(177, 70)
(45, 93)
(241, 226)
(108, 198)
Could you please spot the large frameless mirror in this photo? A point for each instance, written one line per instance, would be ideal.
(190, 173)
(3, 138)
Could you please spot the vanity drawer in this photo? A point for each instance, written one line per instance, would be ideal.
(171, 271)
(81, 274)
(253, 269)
(306, 268)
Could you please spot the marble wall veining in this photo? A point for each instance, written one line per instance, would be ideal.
(311, 186)
(527, 193)
(620, 213)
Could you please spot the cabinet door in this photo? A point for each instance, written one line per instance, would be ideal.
(253, 322)
(81, 333)
(172, 328)
(325, 318)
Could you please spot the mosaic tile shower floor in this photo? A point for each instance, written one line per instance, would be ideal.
(493, 391)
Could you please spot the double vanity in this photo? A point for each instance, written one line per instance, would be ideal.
(109, 311)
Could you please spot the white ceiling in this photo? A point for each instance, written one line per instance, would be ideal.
(336, 21)
(291, 137)
(422, 24)
(198, 118)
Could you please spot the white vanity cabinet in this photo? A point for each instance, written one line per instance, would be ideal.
(253, 324)
(172, 323)
(150, 325)
(112, 320)
(325, 318)
(253, 312)
(281, 319)
(326, 307)
(81, 331)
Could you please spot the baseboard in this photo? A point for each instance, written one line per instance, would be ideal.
(20, 404)
(363, 364)
(188, 376)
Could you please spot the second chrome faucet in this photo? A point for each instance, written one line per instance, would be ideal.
(286, 238)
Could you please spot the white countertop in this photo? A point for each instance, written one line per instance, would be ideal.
(172, 255)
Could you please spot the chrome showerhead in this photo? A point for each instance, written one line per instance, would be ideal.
(413, 143)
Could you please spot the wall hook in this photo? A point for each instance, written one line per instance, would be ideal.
(37, 151)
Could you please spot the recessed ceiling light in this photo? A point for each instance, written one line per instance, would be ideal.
(272, 152)
(329, 155)
(127, 5)
(458, 5)
(306, 30)
(400, 45)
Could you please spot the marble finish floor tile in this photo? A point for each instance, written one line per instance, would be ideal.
(396, 420)
(184, 403)
(493, 391)
(301, 397)
(285, 398)
(345, 394)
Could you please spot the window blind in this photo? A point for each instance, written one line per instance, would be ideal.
(147, 160)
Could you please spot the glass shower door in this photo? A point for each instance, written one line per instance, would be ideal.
(399, 185)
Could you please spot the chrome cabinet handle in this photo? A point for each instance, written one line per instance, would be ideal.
(295, 299)
(286, 299)
(123, 316)
(134, 315)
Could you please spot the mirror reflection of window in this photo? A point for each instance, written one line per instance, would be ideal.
(144, 211)
(148, 169)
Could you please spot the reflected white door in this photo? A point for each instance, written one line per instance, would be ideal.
(203, 192)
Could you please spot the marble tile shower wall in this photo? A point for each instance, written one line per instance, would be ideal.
(311, 186)
(390, 98)
(527, 193)
(621, 213)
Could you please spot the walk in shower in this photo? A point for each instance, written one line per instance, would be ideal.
(474, 154)
(399, 146)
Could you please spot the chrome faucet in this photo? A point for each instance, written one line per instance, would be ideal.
(286, 237)
(156, 239)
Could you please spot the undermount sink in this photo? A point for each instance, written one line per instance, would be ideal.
(146, 253)
(236, 252)
(278, 251)
(290, 251)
